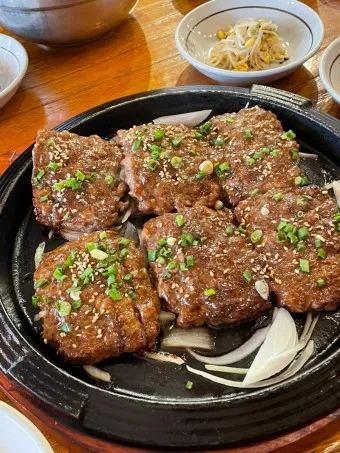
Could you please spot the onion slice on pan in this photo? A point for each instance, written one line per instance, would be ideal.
(71, 235)
(190, 119)
(97, 373)
(197, 337)
(237, 354)
(39, 253)
(166, 317)
(163, 357)
(227, 369)
(309, 156)
(293, 369)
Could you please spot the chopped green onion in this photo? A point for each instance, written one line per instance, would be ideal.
(91, 246)
(189, 261)
(80, 175)
(124, 242)
(108, 179)
(254, 192)
(159, 134)
(257, 156)
(155, 148)
(241, 229)
(225, 166)
(248, 133)
(111, 280)
(322, 254)
(65, 327)
(58, 274)
(304, 265)
(289, 135)
(182, 267)
(300, 246)
(72, 183)
(302, 181)
(40, 283)
(34, 301)
(152, 164)
(200, 175)
(63, 308)
(320, 282)
(275, 152)
(278, 196)
(77, 304)
(51, 142)
(300, 214)
(219, 141)
(256, 236)
(124, 252)
(209, 292)
(318, 243)
(179, 220)
(114, 294)
(247, 275)
(292, 237)
(176, 141)
(198, 135)
(251, 161)
(44, 199)
(136, 144)
(229, 120)
(282, 225)
(161, 242)
(187, 239)
(155, 154)
(303, 232)
(189, 385)
(176, 162)
(132, 294)
(39, 175)
(295, 154)
(127, 277)
(172, 265)
(87, 273)
(102, 235)
(71, 258)
(152, 255)
(280, 237)
(229, 231)
(205, 128)
(53, 166)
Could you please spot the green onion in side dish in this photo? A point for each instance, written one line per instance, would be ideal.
(295, 154)
(229, 120)
(51, 143)
(241, 229)
(124, 242)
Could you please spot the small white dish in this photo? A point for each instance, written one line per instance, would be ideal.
(299, 26)
(330, 69)
(18, 434)
(13, 66)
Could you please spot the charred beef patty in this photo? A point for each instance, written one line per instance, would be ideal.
(163, 168)
(204, 268)
(298, 233)
(96, 298)
(260, 154)
(76, 183)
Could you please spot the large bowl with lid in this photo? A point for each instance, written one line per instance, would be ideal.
(63, 22)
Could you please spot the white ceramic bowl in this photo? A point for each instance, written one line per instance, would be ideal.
(299, 26)
(13, 66)
(18, 434)
(330, 69)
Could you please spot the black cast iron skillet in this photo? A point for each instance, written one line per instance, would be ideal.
(148, 405)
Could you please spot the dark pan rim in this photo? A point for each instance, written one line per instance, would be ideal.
(87, 393)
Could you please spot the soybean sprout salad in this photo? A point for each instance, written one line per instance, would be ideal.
(250, 45)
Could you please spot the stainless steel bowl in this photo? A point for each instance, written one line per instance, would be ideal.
(63, 22)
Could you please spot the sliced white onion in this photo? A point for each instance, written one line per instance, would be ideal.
(247, 105)
(71, 235)
(39, 253)
(97, 373)
(306, 327)
(129, 231)
(309, 156)
(227, 369)
(291, 371)
(126, 215)
(237, 354)
(50, 234)
(190, 119)
(278, 349)
(197, 337)
(329, 186)
(163, 357)
(262, 288)
(306, 336)
(166, 317)
(39, 315)
(336, 188)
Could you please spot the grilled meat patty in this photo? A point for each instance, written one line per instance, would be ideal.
(203, 267)
(162, 168)
(300, 244)
(76, 184)
(261, 155)
(96, 298)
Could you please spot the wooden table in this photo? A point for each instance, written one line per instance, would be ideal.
(139, 55)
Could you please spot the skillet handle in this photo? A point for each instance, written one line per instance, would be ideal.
(280, 96)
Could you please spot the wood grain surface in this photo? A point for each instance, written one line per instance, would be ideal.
(139, 55)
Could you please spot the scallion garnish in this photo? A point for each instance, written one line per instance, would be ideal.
(304, 265)
(179, 220)
(189, 385)
(254, 192)
(320, 282)
(152, 164)
(51, 143)
(34, 301)
(44, 199)
(229, 120)
(40, 283)
(108, 179)
(247, 275)
(219, 141)
(241, 229)
(176, 162)
(136, 144)
(289, 135)
(256, 236)
(209, 292)
(63, 307)
(322, 253)
(58, 274)
(53, 166)
(124, 242)
(278, 196)
(300, 246)
(77, 304)
(248, 133)
(189, 261)
(65, 327)
(114, 294)
(295, 154)
(152, 255)
(127, 277)
(280, 237)
(176, 141)
(102, 235)
(159, 134)
(229, 231)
